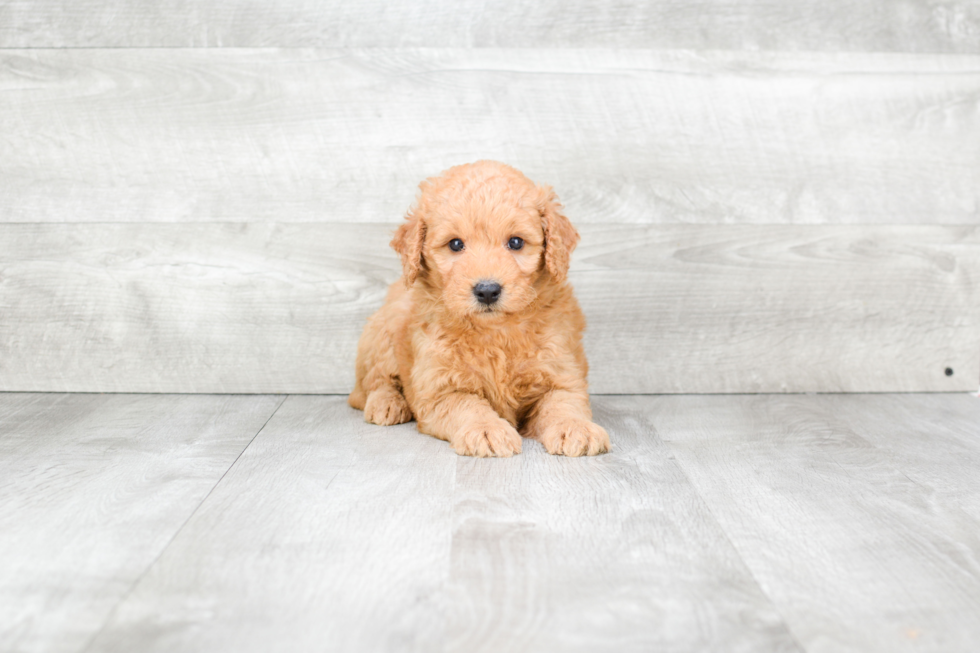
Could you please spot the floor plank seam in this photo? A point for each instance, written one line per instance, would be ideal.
(139, 579)
(448, 579)
(728, 539)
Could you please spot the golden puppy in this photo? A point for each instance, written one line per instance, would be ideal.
(482, 338)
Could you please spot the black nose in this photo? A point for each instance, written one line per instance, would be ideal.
(487, 292)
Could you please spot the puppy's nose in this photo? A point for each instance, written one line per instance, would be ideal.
(487, 292)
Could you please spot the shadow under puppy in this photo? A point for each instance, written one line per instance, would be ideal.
(481, 340)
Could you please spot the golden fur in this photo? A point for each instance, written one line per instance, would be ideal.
(481, 375)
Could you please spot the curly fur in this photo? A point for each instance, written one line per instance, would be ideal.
(481, 377)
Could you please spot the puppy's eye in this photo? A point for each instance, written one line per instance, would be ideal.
(456, 244)
(515, 243)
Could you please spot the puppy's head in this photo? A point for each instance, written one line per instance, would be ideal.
(483, 239)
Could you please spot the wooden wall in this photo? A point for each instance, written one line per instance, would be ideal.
(950, 26)
(197, 197)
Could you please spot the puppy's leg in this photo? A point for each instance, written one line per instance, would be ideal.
(377, 389)
(386, 405)
(470, 425)
(562, 421)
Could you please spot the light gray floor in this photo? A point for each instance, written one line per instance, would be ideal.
(257, 523)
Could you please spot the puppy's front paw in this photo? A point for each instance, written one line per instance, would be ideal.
(574, 437)
(487, 439)
(386, 406)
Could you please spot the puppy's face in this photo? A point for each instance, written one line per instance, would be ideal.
(483, 238)
(484, 257)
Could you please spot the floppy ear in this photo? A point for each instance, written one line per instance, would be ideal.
(560, 237)
(408, 242)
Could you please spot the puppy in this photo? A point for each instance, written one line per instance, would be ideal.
(481, 340)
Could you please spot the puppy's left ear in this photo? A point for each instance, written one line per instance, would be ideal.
(408, 242)
(560, 237)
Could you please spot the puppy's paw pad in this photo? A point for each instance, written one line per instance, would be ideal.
(575, 437)
(488, 440)
(387, 407)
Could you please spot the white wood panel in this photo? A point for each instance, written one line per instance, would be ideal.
(327, 534)
(624, 136)
(781, 309)
(232, 307)
(613, 553)
(829, 25)
(92, 489)
(856, 552)
(677, 308)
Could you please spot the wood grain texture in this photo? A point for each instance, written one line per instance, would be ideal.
(850, 541)
(681, 308)
(327, 534)
(624, 136)
(781, 309)
(92, 489)
(755, 523)
(832, 25)
(935, 440)
(614, 553)
(331, 533)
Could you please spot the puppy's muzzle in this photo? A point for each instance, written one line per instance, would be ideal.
(487, 292)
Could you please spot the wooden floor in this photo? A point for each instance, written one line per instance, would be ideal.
(259, 523)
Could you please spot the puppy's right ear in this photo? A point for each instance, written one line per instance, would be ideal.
(408, 242)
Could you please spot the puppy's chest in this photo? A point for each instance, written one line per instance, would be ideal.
(506, 370)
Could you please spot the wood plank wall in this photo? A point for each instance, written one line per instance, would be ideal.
(951, 26)
(196, 197)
